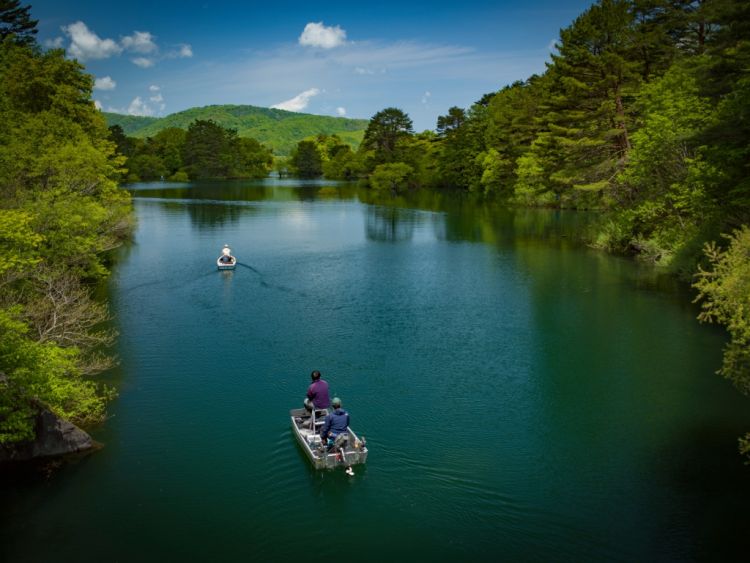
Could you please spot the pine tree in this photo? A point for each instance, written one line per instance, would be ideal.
(16, 22)
(593, 78)
(384, 131)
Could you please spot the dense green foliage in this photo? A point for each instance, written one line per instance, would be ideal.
(306, 159)
(60, 212)
(724, 292)
(278, 129)
(323, 154)
(205, 150)
(384, 133)
(131, 124)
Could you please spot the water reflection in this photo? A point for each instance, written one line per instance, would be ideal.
(213, 203)
(389, 224)
(457, 217)
(204, 215)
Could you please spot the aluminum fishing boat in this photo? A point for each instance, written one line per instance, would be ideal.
(348, 450)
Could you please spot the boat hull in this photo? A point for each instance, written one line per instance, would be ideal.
(355, 452)
(226, 265)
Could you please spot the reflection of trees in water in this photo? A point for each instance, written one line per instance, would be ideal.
(326, 191)
(219, 190)
(389, 224)
(469, 218)
(495, 223)
(458, 216)
(210, 215)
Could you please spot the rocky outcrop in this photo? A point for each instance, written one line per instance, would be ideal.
(54, 437)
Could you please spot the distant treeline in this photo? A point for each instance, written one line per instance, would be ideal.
(205, 150)
(61, 212)
(643, 114)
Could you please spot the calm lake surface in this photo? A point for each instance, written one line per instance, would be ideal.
(524, 398)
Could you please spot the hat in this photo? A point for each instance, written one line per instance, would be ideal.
(336, 402)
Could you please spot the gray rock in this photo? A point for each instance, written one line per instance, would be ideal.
(54, 437)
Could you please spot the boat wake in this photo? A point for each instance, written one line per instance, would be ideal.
(277, 287)
(249, 267)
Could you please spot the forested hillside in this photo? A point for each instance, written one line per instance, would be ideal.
(278, 129)
(128, 123)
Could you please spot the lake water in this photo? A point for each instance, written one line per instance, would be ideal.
(524, 398)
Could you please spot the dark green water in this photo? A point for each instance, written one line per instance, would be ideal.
(524, 398)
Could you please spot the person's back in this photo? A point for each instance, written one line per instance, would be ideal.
(317, 393)
(336, 422)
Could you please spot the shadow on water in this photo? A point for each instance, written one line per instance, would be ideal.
(704, 465)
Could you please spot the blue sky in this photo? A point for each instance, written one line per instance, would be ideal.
(351, 59)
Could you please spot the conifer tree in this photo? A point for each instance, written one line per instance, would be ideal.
(16, 21)
(593, 77)
(384, 131)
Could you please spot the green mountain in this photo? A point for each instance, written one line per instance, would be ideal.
(276, 128)
(129, 123)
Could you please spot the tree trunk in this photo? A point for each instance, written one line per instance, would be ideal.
(620, 112)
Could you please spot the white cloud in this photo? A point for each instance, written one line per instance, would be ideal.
(298, 102)
(156, 97)
(85, 44)
(104, 83)
(140, 42)
(143, 62)
(139, 107)
(98, 105)
(183, 51)
(341, 111)
(318, 35)
(55, 43)
(426, 97)
(368, 71)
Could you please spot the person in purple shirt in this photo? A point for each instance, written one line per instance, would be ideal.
(317, 393)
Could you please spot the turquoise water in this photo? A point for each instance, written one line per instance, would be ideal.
(524, 398)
